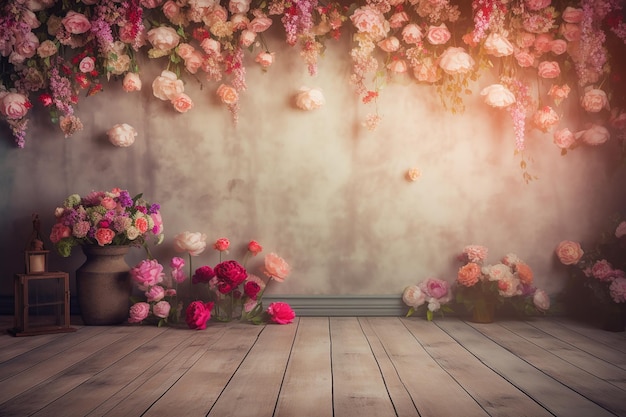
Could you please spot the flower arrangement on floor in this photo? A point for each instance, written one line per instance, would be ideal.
(431, 295)
(105, 218)
(234, 292)
(57, 50)
(482, 289)
(598, 276)
(161, 304)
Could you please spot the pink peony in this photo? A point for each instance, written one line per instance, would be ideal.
(497, 45)
(276, 267)
(594, 100)
(436, 288)
(76, 23)
(251, 289)
(198, 314)
(412, 34)
(617, 289)
(369, 20)
(541, 300)
(468, 274)
(280, 313)
(456, 60)
(122, 135)
(602, 270)
(229, 274)
(595, 135)
(569, 252)
(155, 293)
(161, 309)
(138, 312)
(147, 273)
(475, 253)
(620, 230)
(310, 98)
(497, 95)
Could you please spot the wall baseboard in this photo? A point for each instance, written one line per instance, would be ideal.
(303, 305)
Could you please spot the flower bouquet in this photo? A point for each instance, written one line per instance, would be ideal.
(598, 277)
(105, 218)
(482, 289)
(431, 295)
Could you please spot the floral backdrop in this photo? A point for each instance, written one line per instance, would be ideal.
(539, 55)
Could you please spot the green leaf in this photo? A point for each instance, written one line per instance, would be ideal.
(410, 312)
(429, 315)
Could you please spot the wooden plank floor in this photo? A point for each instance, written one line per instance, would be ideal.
(318, 367)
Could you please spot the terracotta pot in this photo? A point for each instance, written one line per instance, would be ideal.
(484, 311)
(103, 285)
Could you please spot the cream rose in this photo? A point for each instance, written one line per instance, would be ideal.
(227, 94)
(182, 103)
(541, 300)
(247, 38)
(569, 252)
(166, 86)
(46, 49)
(497, 95)
(595, 135)
(594, 100)
(210, 46)
(15, 106)
(119, 65)
(498, 45)
(163, 38)
(309, 99)
(548, 69)
(76, 23)
(564, 138)
(438, 35)
(192, 242)
(413, 296)
(398, 66)
(455, 60)
(390, 44)
(368, 19)
(122, 135)
(412, 34)
(131, 82)
(239, 6)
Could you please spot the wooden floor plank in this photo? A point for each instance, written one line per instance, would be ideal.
(309, 366)
(358, 385)
(591, 387)
(550, 393)
(495, 394)
(398, 392)
(433, 390)
(197, 389)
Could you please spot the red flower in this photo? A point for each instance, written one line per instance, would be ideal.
(254, 247)
(203, 275)
(198, 314)
(45, 99)
(251, 289)
(229, 274)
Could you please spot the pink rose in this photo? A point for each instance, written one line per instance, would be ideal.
(15, 106)
(524, 59)
(455, 60)
(151, 4)
(155, 293)
(185, 50)
(138, 312)
(497, 45)
(548, 69)
(254, 247)
(368, 19)
(558, 46)
(171, 10)
(569, 252)
(192, 242)
(537, 4)
(104, 236)
(310, 98)
(163, 38)
(198, 314)
(617, 289)
(595, 135)
(438, 35)
(227, 94)
(541, 300)
(246, 38)
(390, 44)
(122, 135)
(564, 138)
(162, 309)
(412, 34)
(87, 64)
(210, 46)
(251, 289)
(59, 231)
(543, 43)
(265, 59)
(570, 31)
(559, 93)
(26, 46)
(602, 270)
(594, 100)
(147, 273)
(524, 39)
(546, 118)
(157, 221)
(222, 244)
(182, 103)
(398, 19)
(620, 230)
(260, 24)
(280, 313)
(76, 23)
(167, 86)
(497, 95)
(413, 296)
(572, 15)
(46, 49)
(239, 6)
(276, 267)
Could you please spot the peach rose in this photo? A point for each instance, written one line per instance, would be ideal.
(276, 268)
(122, 135)
(75, 23)
(548, 69)
(260, 24)
(594, 100)
(438, 35)
(265, 59)
(239, 6)
(131, 82)
(524, 58)
(104, 236)
(558, 46)
(247, 38)
(309, 99)
(166, 86)
(412, 34)
(572, 15)
(524, 273)
(192, 242)
(498, 45)
(368, 19)
(227, 94)
(182, 103)
(163, 38)
(185, 50)
(468, 274)
(413, 174)
(210, 45)
(455, 60)
(172, 11)
(543, 43)
(46, 48)
(569, 252)
(497, 95)
(390, 44)
(559, 93)
(564, 138)
(14, 106)
(194, 62)
(545, 118)
(595, 135)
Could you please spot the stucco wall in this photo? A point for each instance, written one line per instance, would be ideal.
(316, 187)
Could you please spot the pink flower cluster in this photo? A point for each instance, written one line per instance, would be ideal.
(432, 292)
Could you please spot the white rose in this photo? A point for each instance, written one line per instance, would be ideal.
(497, 95)
(122, 135)
(167, 86)
(595, 135)
(310, 99)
